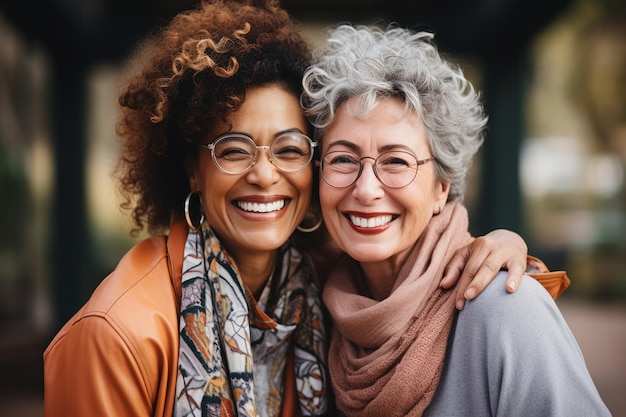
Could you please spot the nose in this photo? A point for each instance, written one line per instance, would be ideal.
(263, 173)
(368, 187)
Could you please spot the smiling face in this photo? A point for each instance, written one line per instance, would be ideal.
(257, 211)
(371, 222)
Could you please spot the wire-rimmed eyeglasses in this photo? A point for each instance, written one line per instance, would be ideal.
(236, 153)
(395, 169)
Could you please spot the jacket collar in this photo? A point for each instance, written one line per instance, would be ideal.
(175, 249)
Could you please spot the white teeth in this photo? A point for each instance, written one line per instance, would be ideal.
(261, 207)
(370, 222)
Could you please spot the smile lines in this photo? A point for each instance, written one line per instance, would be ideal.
(370, 222)
(261, 207)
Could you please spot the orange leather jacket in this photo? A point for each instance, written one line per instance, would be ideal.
(118, 355)
(555, 282)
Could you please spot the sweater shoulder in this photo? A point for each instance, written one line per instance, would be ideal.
(496, 305)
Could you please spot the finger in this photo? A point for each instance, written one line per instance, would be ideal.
(454, 268)
(516, 270)
(468, 286)
(511, 257)
(481, 278)
(460, 298)
(471, 258)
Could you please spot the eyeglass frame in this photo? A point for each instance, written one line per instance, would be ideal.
(211, 147)
(419, 162)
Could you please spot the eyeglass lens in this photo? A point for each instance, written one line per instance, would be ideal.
(394, 169)
(236, 153)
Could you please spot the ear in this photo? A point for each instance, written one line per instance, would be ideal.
(441, 196)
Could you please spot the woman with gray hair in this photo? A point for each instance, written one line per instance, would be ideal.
(399, 127)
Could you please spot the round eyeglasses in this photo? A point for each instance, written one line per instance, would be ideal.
(236, 153)
(395, 169)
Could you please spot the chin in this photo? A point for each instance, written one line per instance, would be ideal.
(369, 254)
(267, 242)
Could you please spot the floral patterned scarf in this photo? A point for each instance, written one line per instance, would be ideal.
(233, 349)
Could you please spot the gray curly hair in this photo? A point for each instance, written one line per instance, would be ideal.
(375, 63)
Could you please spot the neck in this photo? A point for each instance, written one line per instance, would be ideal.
(255, 268)
(380, 277)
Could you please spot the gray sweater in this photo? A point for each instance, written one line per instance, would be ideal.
(514, 355)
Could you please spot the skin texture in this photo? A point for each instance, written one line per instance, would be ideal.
(251, 238)
(383, 249)
(476, 272)
(185, 80)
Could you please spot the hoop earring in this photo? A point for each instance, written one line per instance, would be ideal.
(312, 228)
(188, 214)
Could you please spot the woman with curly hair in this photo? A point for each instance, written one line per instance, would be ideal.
(219, 313)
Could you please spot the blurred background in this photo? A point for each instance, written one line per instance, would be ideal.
(553, 77)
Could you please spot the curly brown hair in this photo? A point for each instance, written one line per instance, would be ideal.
(193, 73)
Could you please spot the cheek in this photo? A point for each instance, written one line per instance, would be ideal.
(324, 195)
(419, 209)
(202, 171)
(329, 199)
(303, 182)
(213, 184)
(306, 184)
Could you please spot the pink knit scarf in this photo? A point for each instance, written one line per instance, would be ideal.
(386, 356)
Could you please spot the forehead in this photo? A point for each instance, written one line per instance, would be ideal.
(265, 111)
(386, 125)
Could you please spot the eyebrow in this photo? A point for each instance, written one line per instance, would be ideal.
(274, 136)
(290, 130)
(356, 149)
